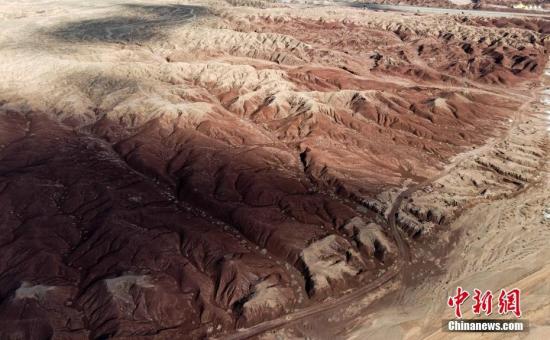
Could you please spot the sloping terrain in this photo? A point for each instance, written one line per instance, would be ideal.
(500, 193)
(510, 3)
(478, 4)
(426, 3)
(180, 170)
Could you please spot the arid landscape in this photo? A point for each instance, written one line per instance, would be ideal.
(253, 169)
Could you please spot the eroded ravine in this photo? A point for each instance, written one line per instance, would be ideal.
(199, 168)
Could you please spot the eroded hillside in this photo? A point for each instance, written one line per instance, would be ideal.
(177, 170)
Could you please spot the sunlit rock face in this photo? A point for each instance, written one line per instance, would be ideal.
(178, 171)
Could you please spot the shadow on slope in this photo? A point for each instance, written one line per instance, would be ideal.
(134, 23)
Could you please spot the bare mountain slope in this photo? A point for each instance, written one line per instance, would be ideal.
(179, 170)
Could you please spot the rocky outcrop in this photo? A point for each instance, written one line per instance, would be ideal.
(178, 171)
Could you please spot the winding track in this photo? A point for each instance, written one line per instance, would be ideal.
(397, 234)
(399, 238)
(395, 230)
(185, 15)
(313, 310)
(436, 10)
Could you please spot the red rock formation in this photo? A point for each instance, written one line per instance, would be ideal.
(227, 173)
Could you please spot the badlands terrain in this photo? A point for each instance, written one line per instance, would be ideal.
(183, 170)
(508, 5)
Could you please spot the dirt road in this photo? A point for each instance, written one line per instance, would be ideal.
(435, 10)
(398, 236)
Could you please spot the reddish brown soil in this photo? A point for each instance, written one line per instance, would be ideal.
(228, 174)
(426, 3)
(537, 25)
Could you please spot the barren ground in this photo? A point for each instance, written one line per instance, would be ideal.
(234, 169)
